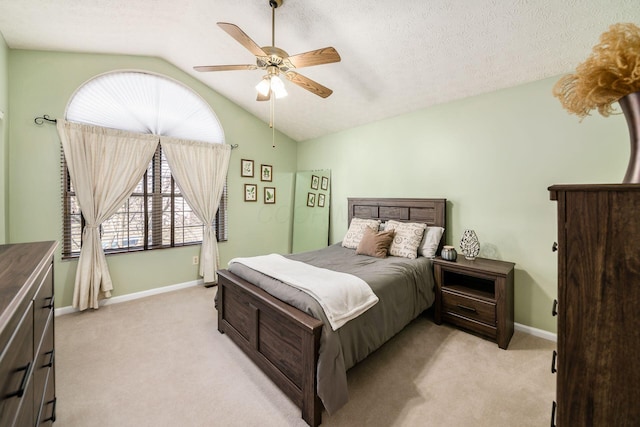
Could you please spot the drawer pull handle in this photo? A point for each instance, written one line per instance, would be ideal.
(553, 362)
(554, 247)
(467, 308)
(50, 305)
(553, 414)
(52, 359)
(23, 382)
(52, 418)
(554, 310)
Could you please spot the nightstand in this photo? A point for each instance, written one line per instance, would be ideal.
(476, 295)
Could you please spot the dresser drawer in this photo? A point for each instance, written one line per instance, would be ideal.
(44, 362)
(47, 411)
(466, 306)
(15, 369)
(42, 304)
(24, 416)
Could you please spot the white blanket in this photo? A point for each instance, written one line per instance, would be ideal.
(342, 296)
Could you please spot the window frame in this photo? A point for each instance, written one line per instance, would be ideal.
(153, 211)
(155, 199)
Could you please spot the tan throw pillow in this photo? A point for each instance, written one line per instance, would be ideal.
(408, 238)
(356, 230)
(375, 243)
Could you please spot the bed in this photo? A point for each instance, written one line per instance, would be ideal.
(290, 344)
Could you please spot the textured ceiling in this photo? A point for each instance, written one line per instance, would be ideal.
(397, 56)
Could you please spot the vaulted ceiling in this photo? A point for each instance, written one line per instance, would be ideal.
(397, 57)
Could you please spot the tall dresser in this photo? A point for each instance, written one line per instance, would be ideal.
(27, 355)
(598, 357)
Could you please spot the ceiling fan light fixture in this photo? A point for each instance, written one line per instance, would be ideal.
(264, 86)
(272, 84)
(277, 87)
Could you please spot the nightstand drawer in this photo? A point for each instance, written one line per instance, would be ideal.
(462, 305)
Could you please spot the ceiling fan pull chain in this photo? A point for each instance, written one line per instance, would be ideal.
(271, 108)
(272, 104)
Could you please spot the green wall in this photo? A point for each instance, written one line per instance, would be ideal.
(42, 83)
(4, 131)
(492, 157)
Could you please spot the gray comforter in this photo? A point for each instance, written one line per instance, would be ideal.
(404, 288)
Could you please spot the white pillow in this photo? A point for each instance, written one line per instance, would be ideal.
(430, 242)
(356, 231)
(408, 238)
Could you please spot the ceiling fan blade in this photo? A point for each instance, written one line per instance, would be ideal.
(325, 55)
(224, 67)
(240, 36)
(262, 97)
(308, 84)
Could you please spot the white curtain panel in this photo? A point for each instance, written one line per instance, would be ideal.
(200, 170)
(105, 165)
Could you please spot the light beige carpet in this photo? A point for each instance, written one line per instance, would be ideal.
(160, 361)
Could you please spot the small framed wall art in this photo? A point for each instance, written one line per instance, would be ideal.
(321, 200)
(246, 168)
(269, 195)
(311, 199)
(315, 182)
(250, 192)
(325, 183)
(266, 173)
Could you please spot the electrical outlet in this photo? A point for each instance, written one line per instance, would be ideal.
(196, 260)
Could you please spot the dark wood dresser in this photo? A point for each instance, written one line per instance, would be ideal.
(598, 358)
(27, 357)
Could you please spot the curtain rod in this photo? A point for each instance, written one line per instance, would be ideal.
(45, 118)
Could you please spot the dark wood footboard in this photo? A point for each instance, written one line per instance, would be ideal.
(282, 340)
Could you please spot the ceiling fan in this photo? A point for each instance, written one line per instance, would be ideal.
(276, 62)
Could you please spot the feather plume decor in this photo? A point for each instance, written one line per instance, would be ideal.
(609, 73)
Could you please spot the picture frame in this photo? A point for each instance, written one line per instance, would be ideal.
(269, 195)
(246, 168)
(315, 182)
(311, 199)
(325, 183)
(266, 173)
(250, 193)
(321, 200)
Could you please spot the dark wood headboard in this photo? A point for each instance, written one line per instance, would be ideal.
(429, 211)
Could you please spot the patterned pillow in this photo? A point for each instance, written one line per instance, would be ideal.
(408, 238)
(429, 245)
(356, 230)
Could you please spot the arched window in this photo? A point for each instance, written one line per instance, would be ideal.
(156, 215)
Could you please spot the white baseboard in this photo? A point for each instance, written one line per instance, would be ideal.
(136, 295)
(536, 332)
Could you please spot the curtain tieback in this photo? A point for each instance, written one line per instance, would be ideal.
(91, 226)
